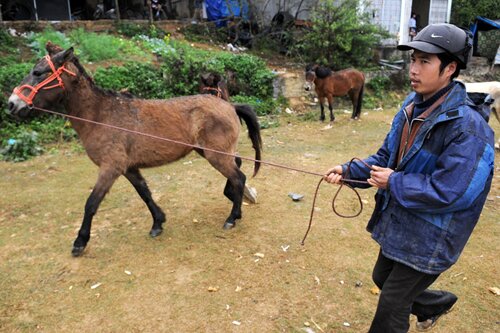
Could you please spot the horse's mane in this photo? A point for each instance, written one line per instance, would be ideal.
(322, 72)
(94, 87)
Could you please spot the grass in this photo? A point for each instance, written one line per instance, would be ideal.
(44, 289)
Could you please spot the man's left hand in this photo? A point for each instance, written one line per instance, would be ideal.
(379, 176)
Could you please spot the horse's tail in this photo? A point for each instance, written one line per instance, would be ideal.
(247, 113)
(360, 101)
(495, 112)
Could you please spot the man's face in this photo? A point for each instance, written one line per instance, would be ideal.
(425, 77)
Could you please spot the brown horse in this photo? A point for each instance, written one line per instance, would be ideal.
(329, 84)
(214, 84)
(202, 120)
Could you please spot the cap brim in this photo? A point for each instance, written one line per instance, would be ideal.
(421, 46)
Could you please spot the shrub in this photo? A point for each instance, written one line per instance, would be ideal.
(182, 65)
(379, 85)
(10, 76)
(93, 47)
(7, 41)
(261, 107)
(341, 35)
(37, 41)
(21, 147)
(141, 80)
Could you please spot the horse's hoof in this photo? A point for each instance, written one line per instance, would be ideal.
(228, 225)
(155, 232)
(77, 251)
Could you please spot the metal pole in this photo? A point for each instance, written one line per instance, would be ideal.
(36, 10)
(117, 9)
(69, 11)
(1, 13)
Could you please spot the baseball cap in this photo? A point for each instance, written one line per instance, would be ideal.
(442, 38)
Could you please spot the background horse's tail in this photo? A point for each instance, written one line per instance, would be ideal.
(495, 112)
(247, 113)
(360, 101)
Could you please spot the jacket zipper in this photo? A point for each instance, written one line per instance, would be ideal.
(410, 125)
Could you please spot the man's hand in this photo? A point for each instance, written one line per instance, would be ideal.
(334, 175)
(379, 176)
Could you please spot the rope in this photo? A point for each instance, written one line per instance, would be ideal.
(344, 181)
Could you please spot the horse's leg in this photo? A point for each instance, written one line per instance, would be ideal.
(228, 166)
(353, 94)
(134, 176)
(322, 107)
(228, 189)
(330, 107)
(104, 182)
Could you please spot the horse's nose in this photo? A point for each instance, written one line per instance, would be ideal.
(11, 107)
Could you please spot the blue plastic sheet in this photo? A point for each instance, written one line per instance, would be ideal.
(218, 10)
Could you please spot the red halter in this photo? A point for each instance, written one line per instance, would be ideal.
(218, 90)
(56, 74)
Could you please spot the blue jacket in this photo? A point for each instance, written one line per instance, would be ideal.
(437, 192)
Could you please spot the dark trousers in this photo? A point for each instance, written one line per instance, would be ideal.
(404, 291)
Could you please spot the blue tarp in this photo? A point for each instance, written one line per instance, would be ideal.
(218, 10)
(483, 24)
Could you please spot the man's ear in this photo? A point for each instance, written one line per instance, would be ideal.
(451, 68)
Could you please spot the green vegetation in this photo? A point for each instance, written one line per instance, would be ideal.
(463, 12)
(341, 36)
(175, 72)
(22, 147)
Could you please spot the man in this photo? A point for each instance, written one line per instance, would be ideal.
(433, 173)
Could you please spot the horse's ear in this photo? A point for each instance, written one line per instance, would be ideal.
(63, 56)
(52, 48)
(68, 54)
(217, 78)
(204, 78)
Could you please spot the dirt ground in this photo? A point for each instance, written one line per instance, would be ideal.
(197, 277)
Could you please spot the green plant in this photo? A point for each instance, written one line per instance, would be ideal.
(10, 76)
(142, 80)
(37, 41)
(463, 12)
(341, 35)
(7, 41)
(92, 47)
(261, 106)
(130, 29)
(21, 147)
(379, 85)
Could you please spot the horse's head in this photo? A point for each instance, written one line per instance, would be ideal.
(310, 77)
(44, 84)
(214, 84)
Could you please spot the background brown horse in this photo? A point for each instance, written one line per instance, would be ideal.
(201, 120)
(329, 84)
(214, 84)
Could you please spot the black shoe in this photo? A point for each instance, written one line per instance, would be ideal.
(428, 324)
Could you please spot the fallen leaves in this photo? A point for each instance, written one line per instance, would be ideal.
(374, 290)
